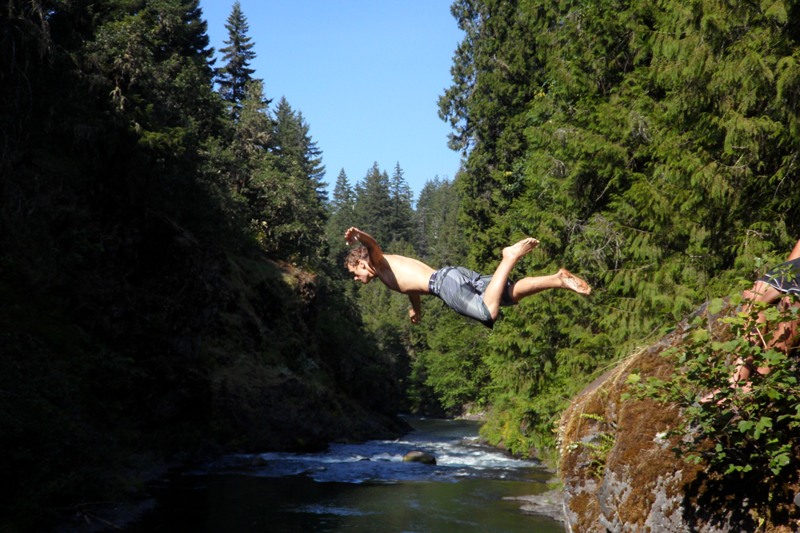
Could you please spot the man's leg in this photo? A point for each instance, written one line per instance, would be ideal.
(563, 279)
(511, 254)
(787, 334)
(740, 379)
(761, 292)
(784, 337)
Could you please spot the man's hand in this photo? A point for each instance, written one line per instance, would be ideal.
(414, 316)
(351, 235)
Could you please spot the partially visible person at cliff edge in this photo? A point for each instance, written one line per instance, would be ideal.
(467, 292)
(780, 283)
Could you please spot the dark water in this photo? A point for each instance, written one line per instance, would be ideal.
(360, 488)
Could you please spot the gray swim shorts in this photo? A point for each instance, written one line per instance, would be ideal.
(785, 277)
(462, 290)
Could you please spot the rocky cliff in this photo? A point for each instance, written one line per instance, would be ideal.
(621, 470)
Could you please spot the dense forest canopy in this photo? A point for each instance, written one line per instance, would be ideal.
(165, 288)
(650, 146)
(170, 261)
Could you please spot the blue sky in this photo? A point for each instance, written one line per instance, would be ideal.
(365, 74)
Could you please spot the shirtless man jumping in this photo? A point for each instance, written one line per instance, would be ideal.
(467, 292)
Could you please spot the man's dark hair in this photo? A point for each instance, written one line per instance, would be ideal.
(355, 255)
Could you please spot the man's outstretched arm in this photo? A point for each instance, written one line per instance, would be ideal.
(356, 235)
(415, 313)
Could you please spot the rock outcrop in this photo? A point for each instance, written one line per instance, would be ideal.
(619, 467)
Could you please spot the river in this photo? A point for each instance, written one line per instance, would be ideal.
(359, 488)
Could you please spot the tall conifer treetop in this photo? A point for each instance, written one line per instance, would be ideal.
(234, 75)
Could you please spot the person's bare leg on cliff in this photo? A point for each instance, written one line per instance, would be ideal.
(764, 292)
(745, 368)
(761, 292)
(784, 337)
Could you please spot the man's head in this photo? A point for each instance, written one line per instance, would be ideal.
(357, 262)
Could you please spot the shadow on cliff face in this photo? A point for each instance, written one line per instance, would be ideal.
(713, 503)
(624, 465)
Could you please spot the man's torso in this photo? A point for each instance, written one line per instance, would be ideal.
(404, 274)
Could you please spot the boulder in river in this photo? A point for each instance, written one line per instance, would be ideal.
(417, 456)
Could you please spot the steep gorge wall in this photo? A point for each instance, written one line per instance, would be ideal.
(154, 347)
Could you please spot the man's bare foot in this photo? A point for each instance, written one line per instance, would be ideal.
(712, 396)
(523, 247)
(572, 282)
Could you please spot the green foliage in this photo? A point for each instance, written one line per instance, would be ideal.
(234, 76)
(141, 319)
(650, 147)
(290, 217)
(340, 217)
(448, 373)
(454, 368)
(440, 239)
(373, 204)
(599, 446)
(647, 146)
(152, 66)
(739, 433)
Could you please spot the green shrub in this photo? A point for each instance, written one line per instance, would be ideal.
(737, 432)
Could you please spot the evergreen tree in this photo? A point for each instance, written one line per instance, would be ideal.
(107, 105)
(441, 240)
(340, 217)
(646, 144)
(496, 71)
(374, 204)
(233, 77)
(293, 144)
(251, 164)
(296, 198)
(447, 367)
(402, 212)
(253, 131)
(138, 325)
(343, 195)
(147, 67)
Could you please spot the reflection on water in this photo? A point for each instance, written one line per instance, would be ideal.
(360, 488)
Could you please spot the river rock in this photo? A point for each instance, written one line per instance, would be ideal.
(417, 456)
(549, 504)
(258, 461)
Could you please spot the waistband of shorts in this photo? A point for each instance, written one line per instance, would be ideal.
(432, 282)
